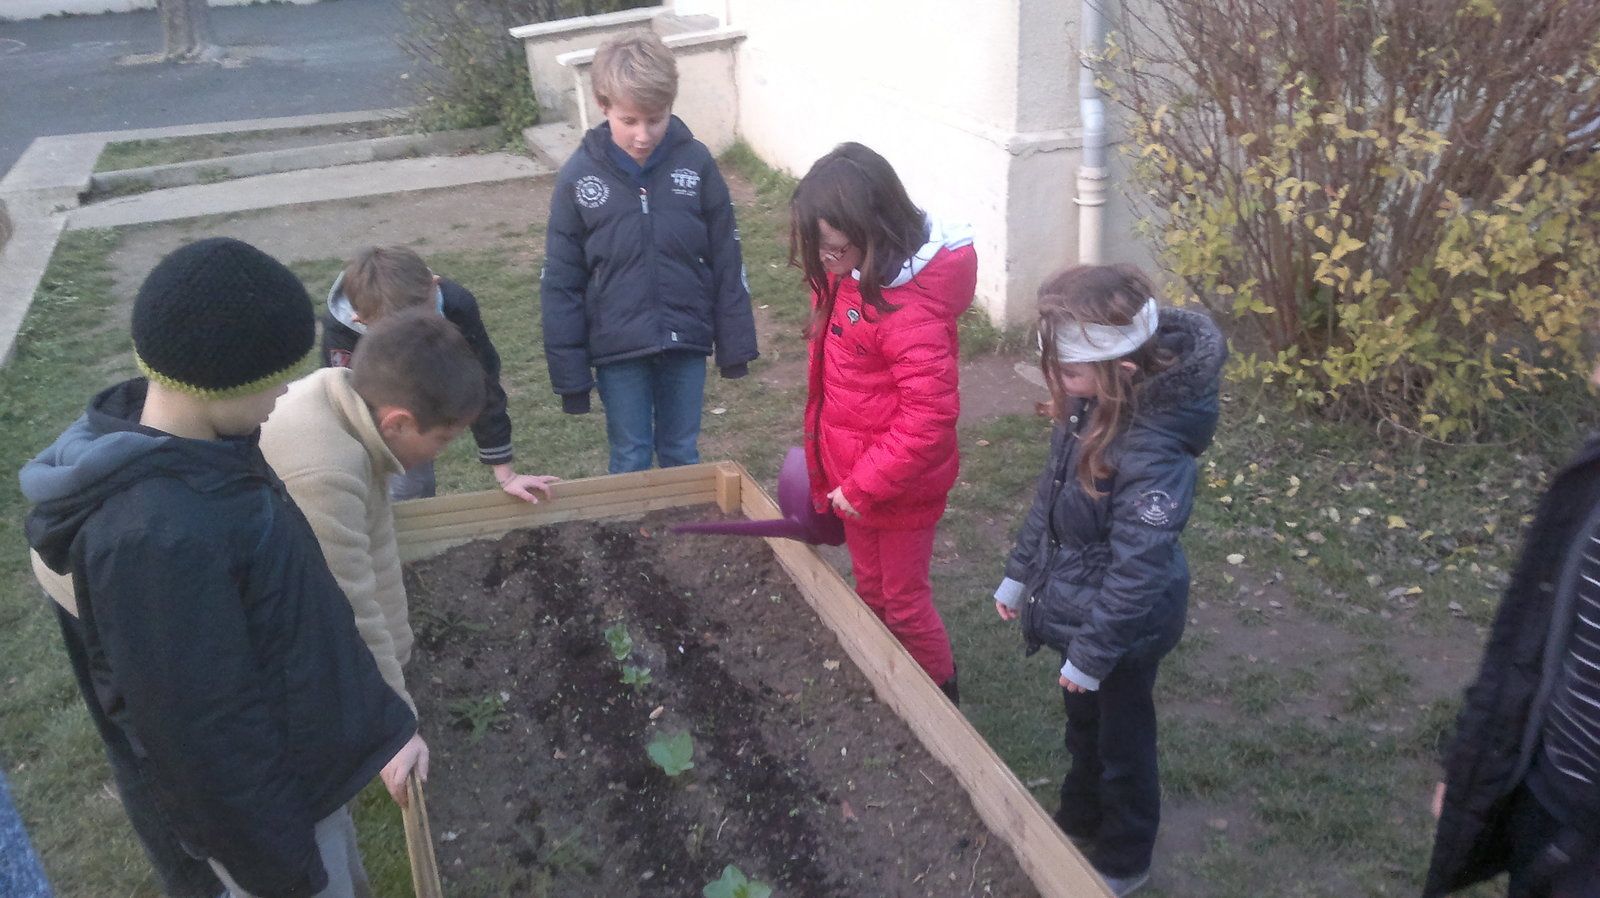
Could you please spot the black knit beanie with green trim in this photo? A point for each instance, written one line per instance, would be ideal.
(219, 318)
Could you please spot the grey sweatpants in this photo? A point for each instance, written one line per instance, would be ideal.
(336, 842)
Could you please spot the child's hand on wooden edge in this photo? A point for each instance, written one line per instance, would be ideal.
(414, 754)
(1005, 612)
(841, 504)
(524, 486)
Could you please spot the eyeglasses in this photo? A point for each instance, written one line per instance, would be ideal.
(834, 255)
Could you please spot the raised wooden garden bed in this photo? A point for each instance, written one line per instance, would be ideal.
(429, 527)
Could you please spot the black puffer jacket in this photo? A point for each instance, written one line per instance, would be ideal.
(1106, 577)
(631, 271)
(217, 639)
(491, 430)
(1498, 730)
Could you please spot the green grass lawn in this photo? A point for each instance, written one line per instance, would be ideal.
(1298, 726)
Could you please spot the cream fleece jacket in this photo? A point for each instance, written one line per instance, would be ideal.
(324, 444)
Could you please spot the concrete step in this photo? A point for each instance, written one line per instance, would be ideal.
(305, 186)
(553, 143)
(343, 152)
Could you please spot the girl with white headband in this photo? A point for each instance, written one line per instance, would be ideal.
(1097, 573)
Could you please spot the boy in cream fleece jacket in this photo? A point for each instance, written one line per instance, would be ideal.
(413, 385)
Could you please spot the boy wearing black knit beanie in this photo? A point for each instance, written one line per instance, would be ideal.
(219, 645)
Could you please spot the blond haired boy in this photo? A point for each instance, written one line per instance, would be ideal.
(643, 277)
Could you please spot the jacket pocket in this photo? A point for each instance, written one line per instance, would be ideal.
(1064, 602)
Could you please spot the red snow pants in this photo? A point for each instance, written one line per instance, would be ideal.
(891, 572)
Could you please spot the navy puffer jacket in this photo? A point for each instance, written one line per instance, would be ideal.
(1105, 577)
(1502, 715)
(634, 270)
(218, 641)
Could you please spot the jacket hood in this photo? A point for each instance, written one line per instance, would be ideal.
(1182, 401)
(105, 451)
(597, 141)
(941, 235)
(344, 311)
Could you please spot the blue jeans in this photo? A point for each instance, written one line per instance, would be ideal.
(653, 407)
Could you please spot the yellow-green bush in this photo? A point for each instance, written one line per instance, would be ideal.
(1394, 199)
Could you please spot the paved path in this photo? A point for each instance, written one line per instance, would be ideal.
(305, 186)
(60, 76)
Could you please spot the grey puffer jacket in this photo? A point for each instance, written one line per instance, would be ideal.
(1104, 578)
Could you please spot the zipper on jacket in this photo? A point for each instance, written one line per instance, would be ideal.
(644, 200)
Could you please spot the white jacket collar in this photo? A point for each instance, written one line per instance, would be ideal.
(343, 312)
(941, 235)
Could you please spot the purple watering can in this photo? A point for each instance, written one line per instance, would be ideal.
(800, 521)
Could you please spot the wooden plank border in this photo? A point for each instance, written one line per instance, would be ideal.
(427, 526)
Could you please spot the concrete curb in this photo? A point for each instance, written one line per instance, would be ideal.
(23, 260)
(39, 192)
(265, 162)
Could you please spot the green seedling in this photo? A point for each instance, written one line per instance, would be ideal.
(734, 884)
(438, 627)
(621, 643)
(478, 714)
(673, 754)
(637, 677)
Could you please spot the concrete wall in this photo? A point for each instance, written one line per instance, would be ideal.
(554, 84)
(17, 10)
(973, 101)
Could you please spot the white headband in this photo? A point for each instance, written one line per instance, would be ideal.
(1100, 342)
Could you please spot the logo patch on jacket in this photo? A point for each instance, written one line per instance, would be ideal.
(591, 191)
(1156, 508)
(686, 182)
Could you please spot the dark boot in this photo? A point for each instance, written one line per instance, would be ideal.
(951, 690)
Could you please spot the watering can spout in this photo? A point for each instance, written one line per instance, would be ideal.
(799, 522)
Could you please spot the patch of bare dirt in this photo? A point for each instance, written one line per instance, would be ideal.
(541, 783)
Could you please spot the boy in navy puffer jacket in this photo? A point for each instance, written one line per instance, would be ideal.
(642, 276)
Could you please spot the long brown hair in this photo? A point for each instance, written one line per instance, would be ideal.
(1106, 295)
(857, 193)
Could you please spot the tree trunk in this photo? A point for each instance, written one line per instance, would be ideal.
(186, 28)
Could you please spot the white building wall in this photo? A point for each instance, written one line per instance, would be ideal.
(974, 102)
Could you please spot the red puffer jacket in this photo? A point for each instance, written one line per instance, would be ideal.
(883, 392)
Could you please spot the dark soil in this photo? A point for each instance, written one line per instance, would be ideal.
(540, 781)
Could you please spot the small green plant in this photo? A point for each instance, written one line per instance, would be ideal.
(621, 643)
(637, 677)
(734, 884)
(673, 754)
(434, 628)
(478, 714)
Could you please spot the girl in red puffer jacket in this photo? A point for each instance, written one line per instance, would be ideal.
(887, 284)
